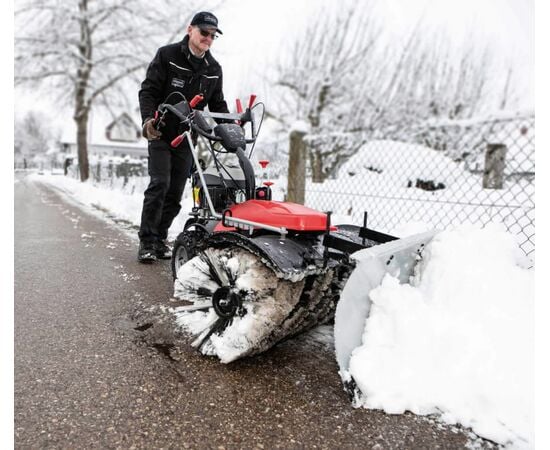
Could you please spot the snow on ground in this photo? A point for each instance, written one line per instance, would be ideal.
(122, 203)
(457, 341)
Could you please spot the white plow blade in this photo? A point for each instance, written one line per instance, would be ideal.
(397, 258)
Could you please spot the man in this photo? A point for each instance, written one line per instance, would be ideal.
(189, 68)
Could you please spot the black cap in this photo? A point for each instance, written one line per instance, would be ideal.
(206, 19)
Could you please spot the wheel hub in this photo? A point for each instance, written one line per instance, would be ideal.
(226, 302)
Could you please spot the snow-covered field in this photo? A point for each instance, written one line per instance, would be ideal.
(457, 341)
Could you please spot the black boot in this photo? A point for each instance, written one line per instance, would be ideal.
(162, 250)
(147, 252)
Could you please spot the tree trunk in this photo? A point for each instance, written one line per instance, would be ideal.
(82, 145)
(297, 168)
(82, 107)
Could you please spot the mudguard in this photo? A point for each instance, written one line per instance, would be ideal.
(397, 258)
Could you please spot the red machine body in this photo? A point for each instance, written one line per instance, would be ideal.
(292, 216)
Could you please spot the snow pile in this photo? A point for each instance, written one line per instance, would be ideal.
(397, 163)
(458, 341)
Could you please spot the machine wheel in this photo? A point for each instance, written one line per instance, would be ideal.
(180, 254)
(186, 246)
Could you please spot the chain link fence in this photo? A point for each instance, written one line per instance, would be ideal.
(444, 174)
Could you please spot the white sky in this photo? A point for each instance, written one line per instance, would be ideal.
(253, 28)
(255, 32)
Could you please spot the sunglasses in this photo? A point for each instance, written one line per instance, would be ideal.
(205, 33)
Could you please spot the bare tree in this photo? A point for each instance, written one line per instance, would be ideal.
(320, 82)
(32, 135)
(83, 50)
(350, 82)
(436, 81)
(443, 83)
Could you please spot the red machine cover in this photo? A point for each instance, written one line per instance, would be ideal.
(292, 216)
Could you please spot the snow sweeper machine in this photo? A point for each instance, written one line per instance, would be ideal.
(254, 271)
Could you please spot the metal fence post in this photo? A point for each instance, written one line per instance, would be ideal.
(124, 169)
(495, 162)
(296, 187)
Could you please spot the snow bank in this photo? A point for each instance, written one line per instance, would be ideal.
(458, 341)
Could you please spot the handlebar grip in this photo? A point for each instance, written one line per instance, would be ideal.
(177, 141)
(239, 105)
(251, 100)
(195, 100)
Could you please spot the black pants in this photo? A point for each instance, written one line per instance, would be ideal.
(169, 169)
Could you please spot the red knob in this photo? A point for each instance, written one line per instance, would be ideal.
(263, 163)
(268, 183)
(261, 194)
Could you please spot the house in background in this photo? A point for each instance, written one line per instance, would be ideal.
(107, 136)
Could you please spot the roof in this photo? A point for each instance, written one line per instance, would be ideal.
(107, 129)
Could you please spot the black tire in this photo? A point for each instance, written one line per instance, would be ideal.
(187, 245)
(181, 253)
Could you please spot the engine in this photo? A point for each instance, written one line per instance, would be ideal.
(226, 188)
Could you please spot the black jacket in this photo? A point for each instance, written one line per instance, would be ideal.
(175, 69)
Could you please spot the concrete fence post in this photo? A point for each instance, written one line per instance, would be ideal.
(495, 162)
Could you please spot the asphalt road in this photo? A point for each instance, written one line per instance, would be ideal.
(92, 372)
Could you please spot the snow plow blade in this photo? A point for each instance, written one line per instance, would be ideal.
(397, 258)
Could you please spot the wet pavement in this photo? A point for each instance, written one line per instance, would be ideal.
(95, 368)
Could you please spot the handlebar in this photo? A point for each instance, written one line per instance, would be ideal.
(184, 112)
(212, 137)
(203, 133)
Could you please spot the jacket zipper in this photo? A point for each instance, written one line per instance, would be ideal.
(179, 67)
